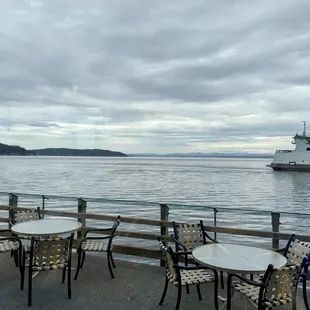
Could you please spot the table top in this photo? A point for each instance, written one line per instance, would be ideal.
(237, 258)
(46, 227)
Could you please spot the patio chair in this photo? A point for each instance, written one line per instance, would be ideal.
(20, 216)
(50, 254)
(97, 244)
(295, 251)
(13, 245)
(187, 237)
(277, 288)
(180, 275)
(17, 216)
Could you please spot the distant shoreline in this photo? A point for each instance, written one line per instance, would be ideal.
(146, 156)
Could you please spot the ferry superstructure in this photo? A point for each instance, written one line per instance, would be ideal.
(294, 160)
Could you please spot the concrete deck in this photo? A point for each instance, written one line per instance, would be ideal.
(136, 286)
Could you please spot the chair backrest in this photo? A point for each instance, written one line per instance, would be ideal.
(279, 284)
(20, 216)
(173, 274)
(296, 250)
(115, 225)
(51, 253)
(190, 235)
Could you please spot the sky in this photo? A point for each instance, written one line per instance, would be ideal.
(161, 76)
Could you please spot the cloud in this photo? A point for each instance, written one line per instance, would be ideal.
(160, 76)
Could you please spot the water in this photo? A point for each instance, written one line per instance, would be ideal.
(222, 183)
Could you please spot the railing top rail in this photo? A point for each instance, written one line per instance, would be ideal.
(152, 203)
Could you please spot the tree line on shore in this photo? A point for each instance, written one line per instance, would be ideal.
(11, 150)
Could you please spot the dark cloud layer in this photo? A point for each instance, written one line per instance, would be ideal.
(164, 76)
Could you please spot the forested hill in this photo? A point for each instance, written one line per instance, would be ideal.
(12, 150)
(76, 152)
(20, 151)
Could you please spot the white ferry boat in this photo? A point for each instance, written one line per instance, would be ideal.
(294, 160)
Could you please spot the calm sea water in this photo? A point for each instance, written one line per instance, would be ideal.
(227, 184)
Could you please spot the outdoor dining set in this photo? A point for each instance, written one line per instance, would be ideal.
(43, 244)
(266, 278)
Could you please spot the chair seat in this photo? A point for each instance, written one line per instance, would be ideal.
(252, 293)
(8, 246)
(192, 277)
(49, 267)
(95, 246)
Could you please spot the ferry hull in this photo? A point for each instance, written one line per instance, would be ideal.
(288, 167)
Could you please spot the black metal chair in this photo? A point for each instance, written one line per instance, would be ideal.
(97, 244)
(50, 254)
(18, 215)
(295, 251)
(180, 275)
(277, 288)
(14, 246)
(187, 237)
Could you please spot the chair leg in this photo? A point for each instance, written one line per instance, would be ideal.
(22, 261)
(16, 258)
(187, 288)
(164, 293)
(222, 279)
(63, 275)
(83, 258)
(78, 265)
(229, 295)
(22, 277)
(109, 264)
(198, 292)
(30, 288)
(304, 291)
(216, 287)
(177, 306)
(112, 260)
(69, 280)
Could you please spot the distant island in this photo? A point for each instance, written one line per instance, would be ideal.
(15, 150)
(76, 152)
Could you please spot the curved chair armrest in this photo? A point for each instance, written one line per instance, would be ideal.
(280, 250)
(5, 231)
(97, 230)
(179, 243)
(209, 237)
(306, 267)
(15, 239)
(231, 275)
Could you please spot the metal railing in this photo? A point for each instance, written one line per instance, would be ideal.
(163, 222)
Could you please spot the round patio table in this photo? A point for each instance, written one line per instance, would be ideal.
(237, 258)
(46, 227)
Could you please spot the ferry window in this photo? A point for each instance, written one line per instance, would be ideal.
(308, 148)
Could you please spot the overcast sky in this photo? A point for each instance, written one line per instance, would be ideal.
(154, 76)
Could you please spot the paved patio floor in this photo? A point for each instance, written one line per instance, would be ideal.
(136, 286)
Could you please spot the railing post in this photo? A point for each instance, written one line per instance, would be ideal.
(275, 222)
(13, 200)
(164, 214)
(214, 220)
(82, 204)
(43, 205)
